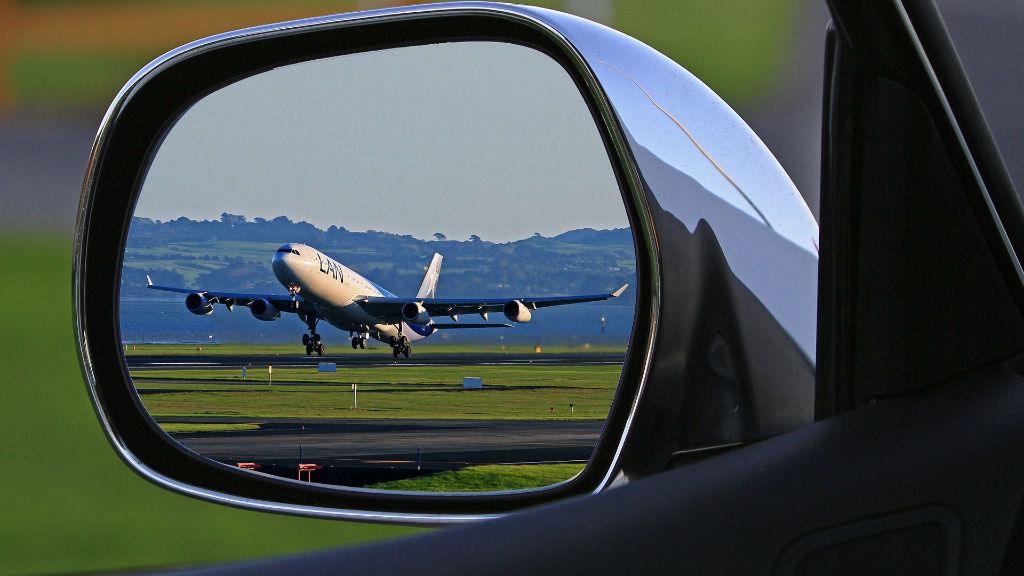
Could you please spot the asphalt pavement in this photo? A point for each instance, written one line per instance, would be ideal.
(362, 452)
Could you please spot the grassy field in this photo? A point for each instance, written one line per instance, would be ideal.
(193, 259)
(413, 392)
(70, 504)
(488, 477)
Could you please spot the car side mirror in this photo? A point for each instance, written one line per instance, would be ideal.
(597, 131)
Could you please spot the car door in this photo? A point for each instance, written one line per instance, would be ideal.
(915, 464)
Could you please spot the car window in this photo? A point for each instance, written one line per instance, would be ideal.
(987, 36)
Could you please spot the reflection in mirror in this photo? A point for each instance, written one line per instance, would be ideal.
(402, 270)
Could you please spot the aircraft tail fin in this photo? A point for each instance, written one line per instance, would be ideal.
(429, 285)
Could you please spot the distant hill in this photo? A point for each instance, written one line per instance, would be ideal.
(234, 253)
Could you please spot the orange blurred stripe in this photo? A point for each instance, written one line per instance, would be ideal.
(80, 28)
(6, 31)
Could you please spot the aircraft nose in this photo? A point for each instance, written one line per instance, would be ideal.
(283, 263)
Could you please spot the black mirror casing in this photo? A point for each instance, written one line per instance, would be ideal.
(722, 347)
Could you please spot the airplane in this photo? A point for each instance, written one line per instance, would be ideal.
(321, 288)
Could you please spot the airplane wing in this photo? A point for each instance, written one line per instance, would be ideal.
(283, 302)
(389, 309)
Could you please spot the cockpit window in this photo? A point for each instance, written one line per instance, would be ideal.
(296, 252)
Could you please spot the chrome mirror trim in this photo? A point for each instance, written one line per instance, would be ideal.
(644, 100)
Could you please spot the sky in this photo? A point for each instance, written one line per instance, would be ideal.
(463, 138)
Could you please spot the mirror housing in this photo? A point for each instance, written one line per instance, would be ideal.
(723, 345)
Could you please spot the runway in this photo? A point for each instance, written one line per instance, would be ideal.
(368, 358)
(362, 452)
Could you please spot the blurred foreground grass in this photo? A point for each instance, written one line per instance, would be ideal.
(69, 504)
(72, 53)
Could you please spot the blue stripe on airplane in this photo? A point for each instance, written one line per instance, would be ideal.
(420, 329)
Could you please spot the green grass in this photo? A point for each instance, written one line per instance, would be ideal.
(69, 79)
(185, 427)
(409, 392)
(69, 503)
(737, 48)
(488, 477)
(191, 260)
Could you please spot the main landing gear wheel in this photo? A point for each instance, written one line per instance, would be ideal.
(313, 344)
(401, 346)
(358, 342)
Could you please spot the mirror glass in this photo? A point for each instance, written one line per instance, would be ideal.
(408, 269)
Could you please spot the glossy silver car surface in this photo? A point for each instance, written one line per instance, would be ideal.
(733, 255)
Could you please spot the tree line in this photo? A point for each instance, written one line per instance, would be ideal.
(234, 253)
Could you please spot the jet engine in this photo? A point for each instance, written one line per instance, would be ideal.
(415, 313)
(516, 311)
(198, 304)
(262, 309)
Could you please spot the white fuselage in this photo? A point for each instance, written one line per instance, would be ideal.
(332, 288)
